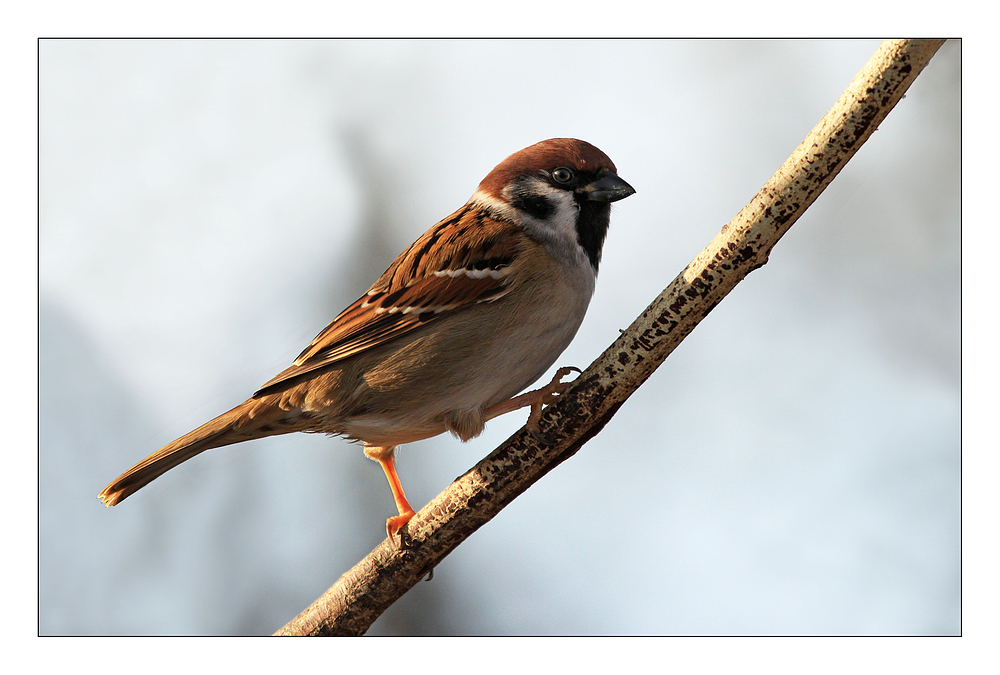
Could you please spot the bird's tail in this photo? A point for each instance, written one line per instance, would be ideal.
(244, 422)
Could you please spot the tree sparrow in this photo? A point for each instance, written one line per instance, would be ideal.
(473, 312)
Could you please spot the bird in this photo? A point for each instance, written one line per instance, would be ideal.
(472, 313)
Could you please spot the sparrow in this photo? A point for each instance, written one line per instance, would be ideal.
(473, 312)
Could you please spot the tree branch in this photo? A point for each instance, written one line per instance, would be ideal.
(351, 605)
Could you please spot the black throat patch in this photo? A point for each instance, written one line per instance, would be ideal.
(592, 228)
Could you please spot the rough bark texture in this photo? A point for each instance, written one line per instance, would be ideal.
(364, 592)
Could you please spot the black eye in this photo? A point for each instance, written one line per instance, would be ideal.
(562, 175)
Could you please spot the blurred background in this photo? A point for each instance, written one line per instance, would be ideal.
(208, 206)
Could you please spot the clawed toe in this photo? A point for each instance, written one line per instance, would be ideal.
(393, 525)
(536, 399)
(546, 396)
(556, 386)
(538, 436)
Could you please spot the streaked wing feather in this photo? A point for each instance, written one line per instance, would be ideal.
(462, 260)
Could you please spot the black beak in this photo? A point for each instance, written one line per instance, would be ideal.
(609, 188)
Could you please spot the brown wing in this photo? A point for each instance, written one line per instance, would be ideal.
(464, 259)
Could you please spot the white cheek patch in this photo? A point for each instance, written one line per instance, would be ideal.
(562, 223)
(557, 230)
(559, 227)
(565, 217)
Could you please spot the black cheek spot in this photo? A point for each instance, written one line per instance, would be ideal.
(536, 206)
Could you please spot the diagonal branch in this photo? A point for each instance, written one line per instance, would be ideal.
(351, 605)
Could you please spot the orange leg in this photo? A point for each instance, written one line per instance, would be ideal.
(406, 511)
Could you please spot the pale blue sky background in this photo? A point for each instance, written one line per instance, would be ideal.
(207, 207)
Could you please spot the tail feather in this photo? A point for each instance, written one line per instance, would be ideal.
(242, 423)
